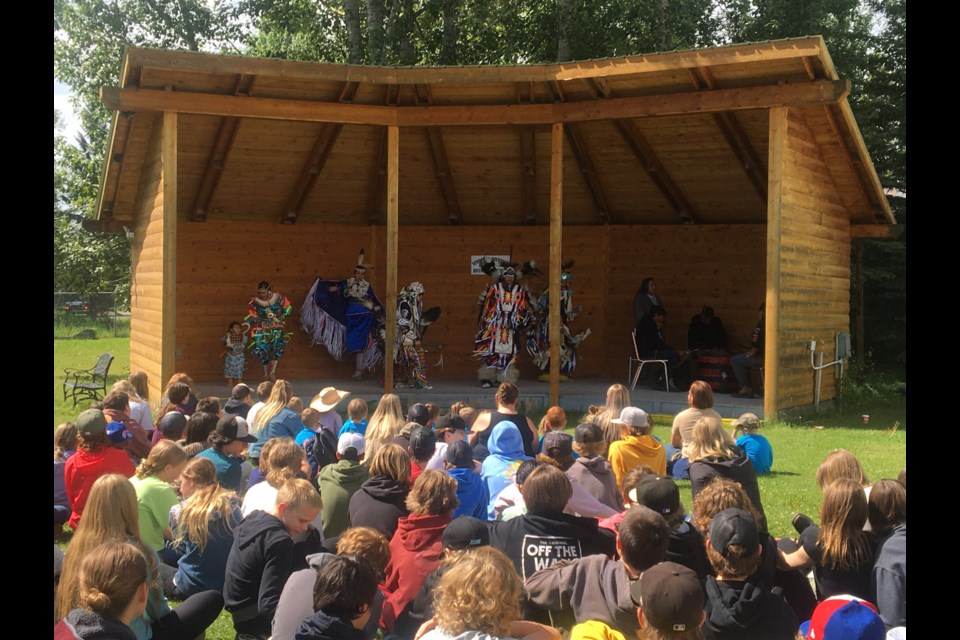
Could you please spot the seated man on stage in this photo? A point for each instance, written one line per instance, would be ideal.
(744, 363)
(706, 332)
(650, 342)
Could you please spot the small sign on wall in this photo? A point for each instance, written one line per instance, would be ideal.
(475, 261)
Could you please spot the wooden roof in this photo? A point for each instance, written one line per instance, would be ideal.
(676, 137)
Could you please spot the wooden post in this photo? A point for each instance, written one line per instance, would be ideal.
(556, 238)
(168, 312)
(393, 182)
(858, 243)
(778, 139)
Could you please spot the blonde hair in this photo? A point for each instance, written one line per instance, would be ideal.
(109, 515)
(64, 439)
(285, 459)
(366, 543)
(357, 409)
(840, 463)
(386, 422)
(297, 493)
(263, 462)
(433, 493)
(391, 461)
(618, 397)
(140, 383)
(125, 387)
(164, 453)
(279, 397)
(208, 499)
(110, 576)
(555, 419)
(709, 440)
(843, 513)
(480, 591)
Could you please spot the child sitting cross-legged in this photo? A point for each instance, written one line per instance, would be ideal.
(262, 556)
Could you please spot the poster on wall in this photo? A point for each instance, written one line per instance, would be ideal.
(476, 260)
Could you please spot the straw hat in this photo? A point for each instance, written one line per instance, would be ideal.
(328, 398)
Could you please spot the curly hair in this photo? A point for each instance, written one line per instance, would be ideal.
(479, 592)
(433, 493)
(720, 494)
(367, 543)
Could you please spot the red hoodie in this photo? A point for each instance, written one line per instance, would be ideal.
(414, 553)
(83, 468)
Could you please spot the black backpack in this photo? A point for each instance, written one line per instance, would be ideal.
(321, 450)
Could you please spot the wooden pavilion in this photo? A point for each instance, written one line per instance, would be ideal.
(733, 175)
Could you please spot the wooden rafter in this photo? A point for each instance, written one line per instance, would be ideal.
(441, 164)
(649, 161)
(317, 158)
(581, 154)
(222, 143)
(736, 137)
(528, 159)
(674, 104)
(122, 123)
(378, 176)
(808, 67)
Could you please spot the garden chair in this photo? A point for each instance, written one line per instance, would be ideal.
(87, 384)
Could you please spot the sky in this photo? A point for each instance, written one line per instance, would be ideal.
(61, 102)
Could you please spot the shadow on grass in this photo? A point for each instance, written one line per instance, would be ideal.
(776, 474)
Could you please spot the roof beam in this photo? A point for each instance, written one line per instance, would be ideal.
(856, 149)
(736, 137)
(820, 92)
(877, 230)
(122, 122)
(313, 71)
(584, 162)
(317, 158)
(441, 163)
(649, 161)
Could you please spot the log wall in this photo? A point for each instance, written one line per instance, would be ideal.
(814, 267)
(146, 256)
(219, 265)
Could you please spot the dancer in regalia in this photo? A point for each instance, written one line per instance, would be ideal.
(538, 337)
(268, 335)
(345, 314)
(504, 310)
(412, 323)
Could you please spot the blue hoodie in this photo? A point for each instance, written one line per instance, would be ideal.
(472, 493)
(506, 454)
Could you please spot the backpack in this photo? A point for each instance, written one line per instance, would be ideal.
(320, 450)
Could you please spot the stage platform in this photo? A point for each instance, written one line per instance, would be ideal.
(575, 395)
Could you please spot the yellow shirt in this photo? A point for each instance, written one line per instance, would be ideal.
(636, 450)
(595, 630)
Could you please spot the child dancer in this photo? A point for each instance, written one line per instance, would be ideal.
(233, 358)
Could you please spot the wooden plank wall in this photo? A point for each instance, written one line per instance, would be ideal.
(815, 267)
(219, 265)
(146, 256)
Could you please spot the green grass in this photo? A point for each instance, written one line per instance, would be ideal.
(83, 354)
(799, 445)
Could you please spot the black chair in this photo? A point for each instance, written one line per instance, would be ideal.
(87, 384)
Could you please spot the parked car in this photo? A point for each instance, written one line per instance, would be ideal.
(80, 307)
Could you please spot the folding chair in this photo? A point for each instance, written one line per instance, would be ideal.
(642, 361)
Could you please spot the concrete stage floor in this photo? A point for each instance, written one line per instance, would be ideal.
(575, 395)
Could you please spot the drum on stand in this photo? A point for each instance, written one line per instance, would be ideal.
(717, 372)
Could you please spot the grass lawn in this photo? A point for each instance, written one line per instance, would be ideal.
(799, 445)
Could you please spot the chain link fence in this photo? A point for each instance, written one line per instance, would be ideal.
(104, 313)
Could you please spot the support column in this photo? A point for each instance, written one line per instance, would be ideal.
(556, 238)
(393, 182)
(168, 312)
(778, 139)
